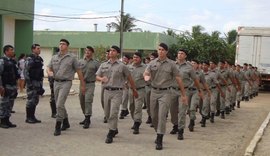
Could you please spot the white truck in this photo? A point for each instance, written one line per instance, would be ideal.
(253, 47)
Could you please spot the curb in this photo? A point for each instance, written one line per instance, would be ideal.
(257, 137)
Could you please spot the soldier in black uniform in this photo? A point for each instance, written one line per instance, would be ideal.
(8, 85)
(52, 99)
(33, 74)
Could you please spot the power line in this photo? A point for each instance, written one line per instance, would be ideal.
(54, 16)
(86, 18)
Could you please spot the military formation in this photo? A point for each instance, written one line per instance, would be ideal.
(164, 87)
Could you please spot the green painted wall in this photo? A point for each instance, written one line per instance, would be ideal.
(132, 40)
(20, 9)
(23, 36)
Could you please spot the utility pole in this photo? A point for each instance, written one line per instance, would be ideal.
(121, 26)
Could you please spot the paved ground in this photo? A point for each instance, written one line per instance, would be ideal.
(228, 137)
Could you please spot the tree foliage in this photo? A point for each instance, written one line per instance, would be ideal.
(128, 24)
(204, 46)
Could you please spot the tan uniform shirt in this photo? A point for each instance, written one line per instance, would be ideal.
(89, 69)
(137, 74)
(64, 67)
(116, 73)
(162, 72)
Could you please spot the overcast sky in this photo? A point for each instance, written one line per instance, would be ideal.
(220, 15)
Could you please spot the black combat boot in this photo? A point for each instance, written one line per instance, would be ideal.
(227, 110)
(233, 105)
(122, 114)
(105, 120)
(174, 130)
(238, 104)
(246, 98)
(10, 124)
(66, 124)
(136, 127)
(33, 115)
(53, 109)
(203, 122)
(87, 122)
(82, 122)
(218, 113)
(57, 130)
(110, 136)
(222, 115)
(180, 134)
(149, 120)
(191, 125)
(29, 116)
(4, 123)
(159, 141)
(212, 118)
(115, 132)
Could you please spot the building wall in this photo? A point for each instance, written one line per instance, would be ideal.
(23, 36)
(9, 30)
(16, 24)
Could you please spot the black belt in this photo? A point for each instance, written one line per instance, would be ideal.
(192, 89)
(61, 80)
(161, 88)
(90, 81)
(213, 87)
(176, 88)
(112, 89)
(140, 88)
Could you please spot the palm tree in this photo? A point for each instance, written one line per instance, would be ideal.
(128, 24)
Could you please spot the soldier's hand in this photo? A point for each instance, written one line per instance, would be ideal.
(83, 89)
(135, 93)
(104, 79)
(2, 91)
(184, 99)
(222, 94)
(229, 89)
(50, 73)
(200, 94)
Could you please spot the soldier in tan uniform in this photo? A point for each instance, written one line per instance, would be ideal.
(137, 69)
(113, 74)
(162, 72)
(63, 67)
(178, 109)
(89, 67)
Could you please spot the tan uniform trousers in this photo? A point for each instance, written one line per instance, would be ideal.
(228, 97)
(61, 91)
(221, 99)
(125, 99)
(241, 92)
(247, 89)
(159, 106)
(135, 105)
(112, 101)
(175, 102)
(206, 104)
(86, 100)
(233, 94)
(147, 99)
(213, 100)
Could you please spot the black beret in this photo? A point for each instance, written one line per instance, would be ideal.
(164, 46)
(183, 50)
(90, 48)
(206, 62)
(116, 48)
(65, 40)
(194, 60)
(222, 61)
(138, 54)
(245, 64)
